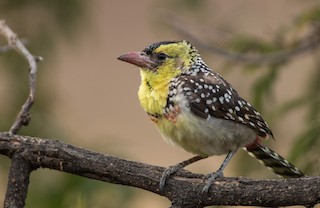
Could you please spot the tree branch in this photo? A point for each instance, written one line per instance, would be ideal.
(23, 117)
(18, 182)
(183, 190)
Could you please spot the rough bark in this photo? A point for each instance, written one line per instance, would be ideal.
(183, 190)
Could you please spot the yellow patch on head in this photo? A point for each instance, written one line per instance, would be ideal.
(176, 50)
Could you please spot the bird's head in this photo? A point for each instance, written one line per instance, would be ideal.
(166, 59)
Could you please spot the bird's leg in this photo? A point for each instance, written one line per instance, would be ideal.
(218, 174)
(173, 169)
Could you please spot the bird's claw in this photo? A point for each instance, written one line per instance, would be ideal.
(209, 180)
(166, 174)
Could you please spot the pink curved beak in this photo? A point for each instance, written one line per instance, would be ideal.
(139, 59)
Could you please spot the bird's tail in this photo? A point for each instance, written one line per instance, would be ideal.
(274, 161)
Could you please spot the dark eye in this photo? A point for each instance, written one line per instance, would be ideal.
(162, 56)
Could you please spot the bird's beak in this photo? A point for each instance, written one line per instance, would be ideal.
(139, 59)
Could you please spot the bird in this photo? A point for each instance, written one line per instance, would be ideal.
(196, 109)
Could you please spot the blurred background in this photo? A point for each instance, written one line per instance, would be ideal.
(268, 50)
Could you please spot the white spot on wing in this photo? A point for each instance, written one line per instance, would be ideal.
(221, 99)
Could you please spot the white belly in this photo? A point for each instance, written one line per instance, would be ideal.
(205, 137)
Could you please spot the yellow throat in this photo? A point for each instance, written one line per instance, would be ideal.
(153, 90)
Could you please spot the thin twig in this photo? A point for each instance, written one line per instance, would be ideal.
(23, 117)
(306, 44)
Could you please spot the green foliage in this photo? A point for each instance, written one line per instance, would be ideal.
(311, 16)
(247, 44)
(262, 88)
(187, 4)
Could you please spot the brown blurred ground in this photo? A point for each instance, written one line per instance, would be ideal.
(96, 95)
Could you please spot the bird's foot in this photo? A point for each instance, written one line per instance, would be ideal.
(167, 173)
(209, 179)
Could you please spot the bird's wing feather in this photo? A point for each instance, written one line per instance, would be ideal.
(210, 97)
